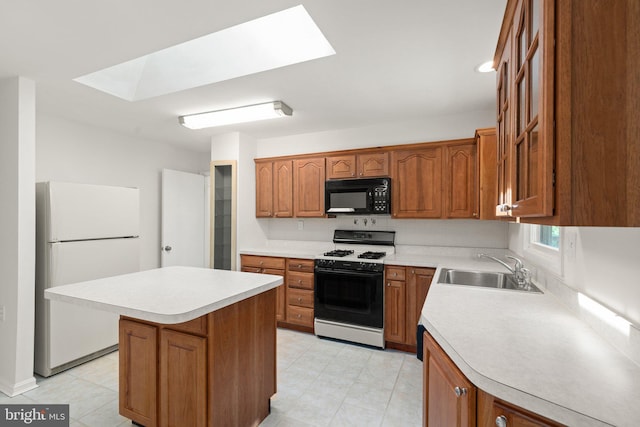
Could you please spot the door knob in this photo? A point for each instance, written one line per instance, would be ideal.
(167, 248)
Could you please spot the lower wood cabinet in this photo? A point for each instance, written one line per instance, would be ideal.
(300, 292)
(216, 370)
(268, 265)
(405, 291)
(450, 399)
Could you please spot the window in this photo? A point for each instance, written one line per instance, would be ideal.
(542, 244)
(548, 235)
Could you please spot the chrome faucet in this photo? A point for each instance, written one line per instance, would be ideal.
(521, 274)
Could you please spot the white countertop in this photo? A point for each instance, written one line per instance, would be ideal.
(166, 295)
(530, 350)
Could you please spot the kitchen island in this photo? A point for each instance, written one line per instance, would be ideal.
(197, 346)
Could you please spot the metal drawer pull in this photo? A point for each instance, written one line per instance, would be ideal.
(460, 391)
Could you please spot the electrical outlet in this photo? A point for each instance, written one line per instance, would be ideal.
(300, 224)
(1, 313)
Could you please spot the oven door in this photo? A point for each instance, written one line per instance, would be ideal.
(354, 297)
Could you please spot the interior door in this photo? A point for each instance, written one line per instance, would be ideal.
(184, 235)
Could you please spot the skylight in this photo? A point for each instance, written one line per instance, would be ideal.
(273, 41)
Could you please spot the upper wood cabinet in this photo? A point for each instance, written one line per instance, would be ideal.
(358, 165)
(525, 92)
(486, 146)
(460, 181)
(308, 181)
(569, 123)
(274, 189)
(416, 183)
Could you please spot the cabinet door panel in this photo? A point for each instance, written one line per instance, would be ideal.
(264, 189)
(341, 167)
(417, 183)
(183, 379)
(138, 372)
(460, 182)
(418, 283)
(308, 178)
(283, 189)
(443, 406)
(394, 311)
(373, 164)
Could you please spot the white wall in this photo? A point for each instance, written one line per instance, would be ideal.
(428, 129)
(458, 233)
(74, 152)
(604, 265)
(17, 234)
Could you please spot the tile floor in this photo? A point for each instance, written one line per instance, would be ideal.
(320, 383)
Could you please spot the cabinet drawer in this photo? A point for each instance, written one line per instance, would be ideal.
(394, 273)
(300, 297)
(262, 261)
(300, 280)
(300, 315)
(303, 265)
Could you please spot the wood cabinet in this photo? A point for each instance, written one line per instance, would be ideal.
(358, 165)
(525, 93)
(460, 181)
(268, 265)
(449, 397)
(183, 385)
(308, 182)
(492, 412)
(219, 369)
(405, 291)
(274, 189)
(568, 123)
(417, 183)
(486, 146)
(138, 372)
(395, 311)
(300, 293)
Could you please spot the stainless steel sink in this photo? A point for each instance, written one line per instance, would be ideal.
(484, 279)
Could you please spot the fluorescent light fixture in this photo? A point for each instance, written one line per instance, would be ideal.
(249, 113)
(273, 41)
(485, 67)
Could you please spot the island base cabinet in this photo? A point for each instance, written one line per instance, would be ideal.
(138, 371)
(215, 370)
(183, 391)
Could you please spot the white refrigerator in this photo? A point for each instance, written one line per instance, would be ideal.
(83, 232)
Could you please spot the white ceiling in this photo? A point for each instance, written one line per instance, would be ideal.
(395, 61)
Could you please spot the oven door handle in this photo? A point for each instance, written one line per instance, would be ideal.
(350, 272)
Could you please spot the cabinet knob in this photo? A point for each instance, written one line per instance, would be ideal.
(501, 421)
(299, 316)
(353, 174)
(395, 273)
(261, 262)
(504, 208)
(475, 214)
(299, 299)
(300, 281)
(388, 284)
(460, 391)
(299, 265)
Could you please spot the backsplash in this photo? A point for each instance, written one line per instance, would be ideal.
(441, 233)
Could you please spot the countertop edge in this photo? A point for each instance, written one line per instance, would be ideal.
(167, 318)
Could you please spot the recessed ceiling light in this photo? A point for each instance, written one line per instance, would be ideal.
(485, 67)
(273, 41)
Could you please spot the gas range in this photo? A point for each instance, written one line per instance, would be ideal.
(349, 289)
(360, 246)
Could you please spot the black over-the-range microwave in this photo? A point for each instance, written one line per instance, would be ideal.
(363, 196)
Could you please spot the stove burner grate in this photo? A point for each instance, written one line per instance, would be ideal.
(372, 255)
(338, 253)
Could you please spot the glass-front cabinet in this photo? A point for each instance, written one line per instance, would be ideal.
(525, 112)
